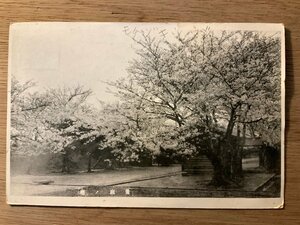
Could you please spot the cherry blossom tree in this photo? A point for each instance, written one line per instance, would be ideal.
(204, 85)
(26, 108)
(128, 133)
(48, 122)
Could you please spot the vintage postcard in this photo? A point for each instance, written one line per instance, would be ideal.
(164, 115)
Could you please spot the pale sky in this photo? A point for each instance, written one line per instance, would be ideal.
(57, 55)
(68, 54)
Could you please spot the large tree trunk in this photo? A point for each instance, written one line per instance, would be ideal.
(226, 158)
(232, 149)
(237, 148)
(220, 178)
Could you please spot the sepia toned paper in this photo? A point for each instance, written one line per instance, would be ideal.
(163, 115)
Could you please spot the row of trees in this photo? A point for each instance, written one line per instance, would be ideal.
(61, 123)
(197, 92)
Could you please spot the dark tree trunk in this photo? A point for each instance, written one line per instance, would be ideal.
(219, 176)
(89, 168)
(230, 125)
(237, 147)
(236, 164)
(238, 169)
(226, 159)
(65, 163)
(232, 149)
(226, 147)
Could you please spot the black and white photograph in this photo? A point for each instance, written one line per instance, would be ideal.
(163, 115)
